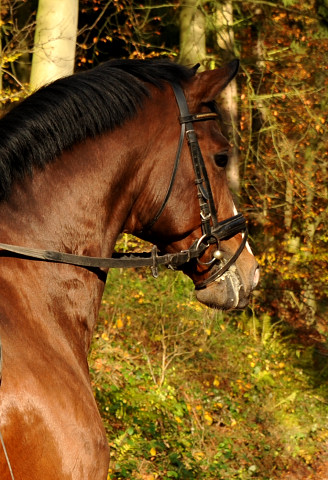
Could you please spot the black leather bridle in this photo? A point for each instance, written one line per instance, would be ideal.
(212, 230)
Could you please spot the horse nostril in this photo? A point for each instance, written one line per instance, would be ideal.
(256, 277)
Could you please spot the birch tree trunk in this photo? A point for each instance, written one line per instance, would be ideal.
(225, 41)
(192, 34)
(55, 41)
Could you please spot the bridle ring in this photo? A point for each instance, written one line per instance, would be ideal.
(207, 245)
(200, 240)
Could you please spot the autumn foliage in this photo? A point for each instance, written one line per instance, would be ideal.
(165, 420)
(284, 158)
(282, 127)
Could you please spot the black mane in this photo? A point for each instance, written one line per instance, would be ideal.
(71, 109)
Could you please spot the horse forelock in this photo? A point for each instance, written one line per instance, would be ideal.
(72, 109)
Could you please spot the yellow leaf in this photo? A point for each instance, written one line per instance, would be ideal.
(208, 418)
(152, 451)
(119, 323)
(198, 455)
(216, 382)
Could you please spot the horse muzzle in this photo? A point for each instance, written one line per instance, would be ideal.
(231, 290)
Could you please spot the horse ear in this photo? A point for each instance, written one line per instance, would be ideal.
(196, 67)
(209, 84)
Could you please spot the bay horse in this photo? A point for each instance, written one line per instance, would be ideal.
(130, 146)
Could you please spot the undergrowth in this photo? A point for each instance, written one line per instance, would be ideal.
(190, 393)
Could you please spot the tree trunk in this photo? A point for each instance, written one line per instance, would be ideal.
(230, 114)
(311, 225)
(225, 41)
(192, 34)
(55, 40)
(24, 16)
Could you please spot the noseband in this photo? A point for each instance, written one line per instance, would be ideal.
(213, 231)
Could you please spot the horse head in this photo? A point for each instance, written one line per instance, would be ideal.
(198, 209)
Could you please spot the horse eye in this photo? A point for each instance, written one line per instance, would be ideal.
(221, 159)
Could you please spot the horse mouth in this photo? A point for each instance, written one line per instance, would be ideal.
(225, 293)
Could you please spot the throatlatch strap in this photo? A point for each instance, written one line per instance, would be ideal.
(174, 172)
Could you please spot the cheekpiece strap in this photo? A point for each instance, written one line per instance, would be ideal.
(198, 117)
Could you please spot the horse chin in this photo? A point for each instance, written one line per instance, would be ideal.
(225, 293)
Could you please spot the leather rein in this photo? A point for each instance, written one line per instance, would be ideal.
(212, 230)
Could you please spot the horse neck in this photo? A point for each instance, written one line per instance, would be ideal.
(79, 204)
(75, 205)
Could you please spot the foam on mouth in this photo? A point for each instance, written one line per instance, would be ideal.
(233, 285)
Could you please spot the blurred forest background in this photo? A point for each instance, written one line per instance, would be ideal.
(186, 392)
